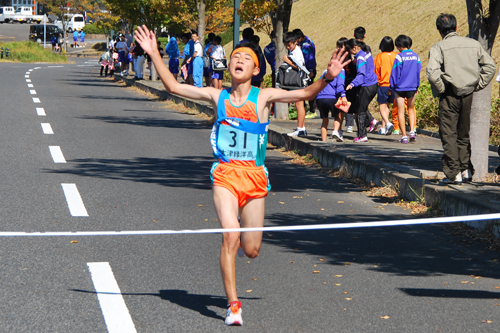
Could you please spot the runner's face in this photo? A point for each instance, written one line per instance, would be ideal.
(242, 66)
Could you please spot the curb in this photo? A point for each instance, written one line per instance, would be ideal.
(453, 200)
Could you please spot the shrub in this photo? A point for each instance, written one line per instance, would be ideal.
(427, 107)
(164, 42)
(93, 29)
(495, 123)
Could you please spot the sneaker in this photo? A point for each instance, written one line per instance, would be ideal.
(349, 129)
(413, 136)
(404, 139)
(233, 316)
(311, 115)
(298, 133)
(466, 176)
(382, 131)
(373, 125)
(396, 132)
(337, 135)
(360, 139)
(457, 181)
(388, 129)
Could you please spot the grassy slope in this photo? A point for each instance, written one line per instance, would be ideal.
(325, 21)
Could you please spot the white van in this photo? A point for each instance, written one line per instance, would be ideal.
(7, 14)
(76, 22)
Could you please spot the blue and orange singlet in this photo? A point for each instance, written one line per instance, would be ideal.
(239, 142)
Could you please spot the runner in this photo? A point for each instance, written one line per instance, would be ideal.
(239, 140)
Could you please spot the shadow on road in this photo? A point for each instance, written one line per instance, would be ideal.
(151, 122)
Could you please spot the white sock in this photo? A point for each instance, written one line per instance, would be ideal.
(301, 128)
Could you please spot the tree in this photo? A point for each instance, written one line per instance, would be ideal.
(257, 13)
(100, 11)
(483, 26)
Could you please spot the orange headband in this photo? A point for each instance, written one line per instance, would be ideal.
(249, 51)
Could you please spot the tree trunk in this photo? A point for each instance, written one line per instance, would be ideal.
(202, 24)
(483, 29)
(281, 20)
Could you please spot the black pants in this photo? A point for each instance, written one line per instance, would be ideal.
(454, 126)
(102, 67)
(365, 96)
(351, 95)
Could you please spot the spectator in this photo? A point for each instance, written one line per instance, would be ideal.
(383, 68)
(270, 54)
(106, 62)
(309, 51)
(75, 39)
(207, 50)
(366, 80)
(468, 68)
(405, 80)
(123, 50)
(187, 54)
(128, 38)
(172, 49)
(139, 62)
(82, 38)
(257, 79)
(218, 52)
(350, 74)
(295, 58)
(197, 61)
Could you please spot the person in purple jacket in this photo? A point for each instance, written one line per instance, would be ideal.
(366, 79)
(325, 101)
(405, 80)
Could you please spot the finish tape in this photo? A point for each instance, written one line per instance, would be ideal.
(452, 219)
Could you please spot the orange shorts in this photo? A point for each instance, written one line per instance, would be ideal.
(244, 182)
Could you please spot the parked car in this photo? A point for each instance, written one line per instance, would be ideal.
(7, 14)
(75, 22)
(36, 33)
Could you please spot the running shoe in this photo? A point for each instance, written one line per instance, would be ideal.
(467, 176)
(337, 135)
(311, 115)
(396, 132)
(233, 316)
(360, 139)
(413, 136)
(456, 181)
(349, 129)
(373, 125)
(298, 133)
(388, 129)
(382, 131)
(404, 139)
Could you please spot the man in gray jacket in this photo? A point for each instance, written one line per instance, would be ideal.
(457, 67)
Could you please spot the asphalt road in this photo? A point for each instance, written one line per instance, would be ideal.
(17, 30)
(136, 165)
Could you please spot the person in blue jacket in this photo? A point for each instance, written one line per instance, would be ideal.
(172, 50)
(405, 80)
(366, 79)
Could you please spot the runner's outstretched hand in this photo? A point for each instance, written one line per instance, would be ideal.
(146, 39)
(336, 64)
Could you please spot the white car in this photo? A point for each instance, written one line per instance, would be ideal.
(7, 14)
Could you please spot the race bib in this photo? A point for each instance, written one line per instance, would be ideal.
(236, 144)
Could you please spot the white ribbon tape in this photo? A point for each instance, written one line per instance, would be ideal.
(451, 219)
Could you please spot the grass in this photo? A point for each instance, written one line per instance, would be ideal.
(31, 52)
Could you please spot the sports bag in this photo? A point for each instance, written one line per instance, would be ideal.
(288, 77)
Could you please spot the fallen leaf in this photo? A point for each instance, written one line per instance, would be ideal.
(348, 298)
(351, 211)
(281, 202)
(206, 220)
(154, 221)
(495, 260)
(270, 235)
(464, 282)
(338, 275)
(315, 265)
(248, 262)
(74, 242)
(340, 202)
(496, 287)
(322, 260)
(292, 262)
(487, 321)
(338, 284)
(254, 279)
(315, 272)
(201, 205)
(319, 199)
(249, 290)
(346, 292)
(322, 209)
(347, 263)
(375, 265)
(385, 317)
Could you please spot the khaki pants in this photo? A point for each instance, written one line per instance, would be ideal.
(454, 126)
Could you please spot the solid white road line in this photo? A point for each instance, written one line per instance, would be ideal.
(28, 80)
(33, 92)
(57, 154)
(74, 200)
(40, 111)
(47, 129)
(36, 100)
(114, 309)
(30, 85)
(54, 66)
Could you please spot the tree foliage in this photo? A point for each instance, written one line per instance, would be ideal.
(258, 13)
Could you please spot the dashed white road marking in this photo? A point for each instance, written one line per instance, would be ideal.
(54, 66)
(27, 76)
(37, 67)
(36, 100)
(57, 154)
(28, 80)
(74, 200)
(33, 92)
(28, 73)
(30, 85)
(114, 310)
(31, 70)
(47, 129)
(40, 111)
